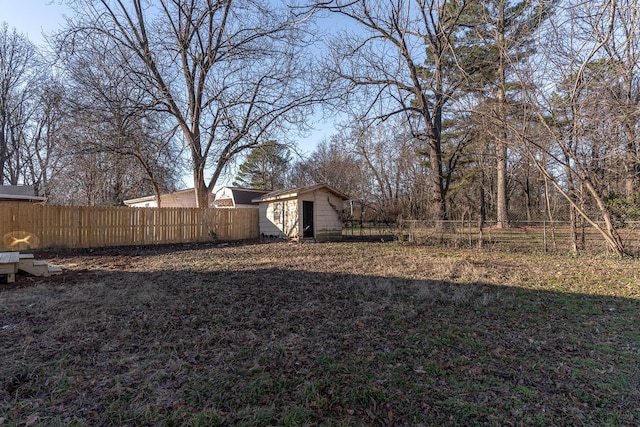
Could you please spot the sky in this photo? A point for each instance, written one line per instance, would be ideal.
(35, 17)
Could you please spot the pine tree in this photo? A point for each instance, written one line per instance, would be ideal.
(505, 33)
(265, 168)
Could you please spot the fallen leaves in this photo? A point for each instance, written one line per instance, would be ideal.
(310, 334)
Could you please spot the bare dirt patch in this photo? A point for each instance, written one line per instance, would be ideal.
(321, 334)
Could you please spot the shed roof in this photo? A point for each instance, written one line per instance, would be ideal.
(295, 192)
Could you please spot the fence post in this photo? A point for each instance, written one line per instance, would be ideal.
(544, 235)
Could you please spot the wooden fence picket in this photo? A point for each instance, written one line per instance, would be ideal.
(32, 226)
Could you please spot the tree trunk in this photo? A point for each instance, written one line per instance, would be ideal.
(547, 199)
(438, 202)
(527, 197)
(610, 233)
(201, 189)
(483, 203)
(573, 217)
(632, 167)
(438, 205)
(502, 220)
(156, 191)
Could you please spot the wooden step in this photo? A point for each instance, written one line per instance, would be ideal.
(11, 262)
(38, 267)
(54, 270)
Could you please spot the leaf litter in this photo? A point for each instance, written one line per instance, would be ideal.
(321, 334)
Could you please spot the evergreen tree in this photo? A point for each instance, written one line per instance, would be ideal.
(265, 168)
(504, 35)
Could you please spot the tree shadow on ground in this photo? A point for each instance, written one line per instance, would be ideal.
(275, 346)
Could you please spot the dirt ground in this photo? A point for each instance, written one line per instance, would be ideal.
(321, 334)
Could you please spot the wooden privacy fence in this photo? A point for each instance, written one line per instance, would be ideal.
(28, 226)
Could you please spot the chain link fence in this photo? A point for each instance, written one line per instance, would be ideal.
(523, 236)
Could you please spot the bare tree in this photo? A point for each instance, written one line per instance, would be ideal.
(402, 60)
(231, 73)
(622, 96)
(43, 153)
(333, 163)
(18, 72)
(92, 178)
(121, 115)
(388, 153)
(571, 154)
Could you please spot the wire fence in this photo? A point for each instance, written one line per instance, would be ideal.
(370, 230)
(523, 236)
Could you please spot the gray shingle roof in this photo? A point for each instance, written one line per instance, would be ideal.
(243, 196)
(17, 190)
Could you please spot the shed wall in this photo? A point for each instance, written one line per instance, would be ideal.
(283, 218)
(327, 210)
(279, 218)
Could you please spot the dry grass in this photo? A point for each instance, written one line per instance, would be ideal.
(321, 334)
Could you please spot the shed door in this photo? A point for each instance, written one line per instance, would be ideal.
(307, 219)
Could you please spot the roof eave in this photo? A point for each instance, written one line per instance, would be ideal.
(140, 200)
(297, 192)
(21, 197)
(276, 197)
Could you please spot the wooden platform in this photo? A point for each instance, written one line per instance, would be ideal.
(11, 262)
(9, 265)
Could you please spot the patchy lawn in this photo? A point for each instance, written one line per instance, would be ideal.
(321, 334)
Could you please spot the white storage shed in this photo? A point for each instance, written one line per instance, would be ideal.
(312, 212)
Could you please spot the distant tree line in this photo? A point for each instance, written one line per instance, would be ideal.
(491, 110)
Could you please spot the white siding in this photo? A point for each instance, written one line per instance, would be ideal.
(278, 219)
(181, 199)
(284, 217)
(327, 209)
(149, 204)
(224, 193)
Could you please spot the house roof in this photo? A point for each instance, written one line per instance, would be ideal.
(295, 192)
(19, 192)
(242, 196)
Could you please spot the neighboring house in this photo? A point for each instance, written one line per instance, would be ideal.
(19, 193)
(179, 199)
(234, 197)
(304, 212)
